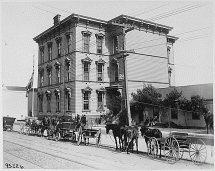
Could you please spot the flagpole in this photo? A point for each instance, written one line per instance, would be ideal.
(33, 88)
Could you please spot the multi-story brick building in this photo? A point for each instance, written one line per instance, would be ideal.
(80, 62)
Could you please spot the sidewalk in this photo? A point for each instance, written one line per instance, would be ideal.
(107, 140)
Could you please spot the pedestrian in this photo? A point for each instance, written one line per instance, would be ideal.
(150, 121)
(146, 121)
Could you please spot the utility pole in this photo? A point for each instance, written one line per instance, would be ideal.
(125, 54)
(33, 89)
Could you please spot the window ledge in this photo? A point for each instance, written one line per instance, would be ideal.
(86, 110)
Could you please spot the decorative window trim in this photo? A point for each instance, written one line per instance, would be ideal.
(57, 95)
(87, 59)
(40, 98)
(114, 60)
(99, 35)
(58, 71)
(101, 92)
(49, 44)
(100, 61)
(68, 92)
(88, 91)
(57, 65)
(58, 39)
(87, 32)
(68, 61)
(48, 96)
(48, 67)
(168, 48)
(41, 48)
(41, 70)
(48, 92)
(68, 34)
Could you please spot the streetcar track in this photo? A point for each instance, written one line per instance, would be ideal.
(60, 147)
(93, 145)
(23, 159)
(53, 155)
(116, 161)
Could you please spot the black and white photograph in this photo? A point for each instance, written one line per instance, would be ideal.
(107, 85)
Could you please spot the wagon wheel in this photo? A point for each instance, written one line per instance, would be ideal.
(57, 136)
(198, 151)
(28, 131)
(171, 150)
(152, 147)
(79, 135)
(181, 153)
(98, 138)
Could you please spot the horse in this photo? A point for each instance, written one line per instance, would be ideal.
(118, 131)
(131, 134)
(209, 122)
(148, 133)
(45, 125)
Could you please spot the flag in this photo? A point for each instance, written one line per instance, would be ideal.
(30, 84)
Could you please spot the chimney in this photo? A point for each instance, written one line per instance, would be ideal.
(57, 19)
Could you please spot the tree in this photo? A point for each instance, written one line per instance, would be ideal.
(185, 106)
(148, 96)
(114, 104)
(171, 100)
(198, 106)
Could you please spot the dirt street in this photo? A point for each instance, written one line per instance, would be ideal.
(32, 152)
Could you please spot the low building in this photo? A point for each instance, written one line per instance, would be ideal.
(188, 118)
(179, 117)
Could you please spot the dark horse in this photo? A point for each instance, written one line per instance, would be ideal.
(209, 122)
(131, 134)
(148, 133)
(118, 131)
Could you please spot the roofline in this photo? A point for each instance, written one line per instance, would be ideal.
(172, 37)
(70, 17)
(186, 85)
(73, 15)
(140, 20)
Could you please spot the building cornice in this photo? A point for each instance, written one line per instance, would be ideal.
(76, 18)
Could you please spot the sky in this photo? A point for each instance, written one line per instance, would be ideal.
(192, 22)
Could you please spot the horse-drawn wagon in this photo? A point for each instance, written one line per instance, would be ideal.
(87, 133)
(175, 145)
(66, 130)
(8, 123)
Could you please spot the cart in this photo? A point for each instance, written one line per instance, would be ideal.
(8, 123)
(67, 131)
(87, 133)
(175, 145)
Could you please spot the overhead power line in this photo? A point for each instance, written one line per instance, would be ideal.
(174, 12)
(152, 9)
(56, 8)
